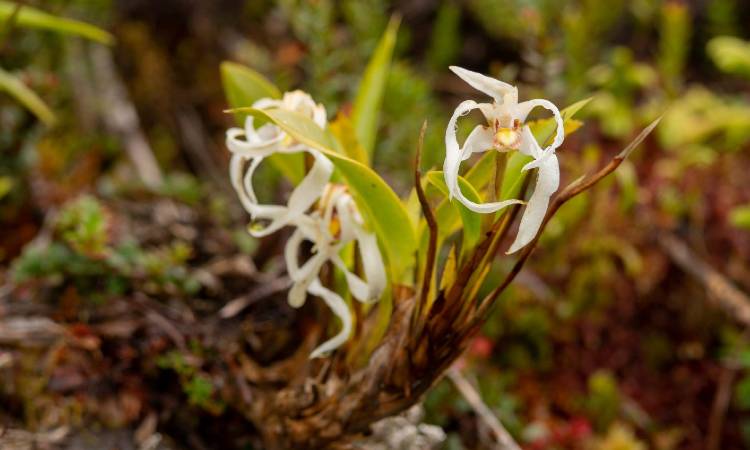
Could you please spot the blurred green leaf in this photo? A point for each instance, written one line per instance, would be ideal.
(34, 18)
(740, 217)
(243, 87)
(343, 130)
(6, 184)
(445, 42)
(376, 200)
(730, 54)
(366, 112)
(28, 98)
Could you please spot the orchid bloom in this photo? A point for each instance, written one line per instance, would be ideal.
(335, 223)
(251, 146)
(505, 131)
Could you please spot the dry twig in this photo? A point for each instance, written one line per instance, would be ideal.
(503, 439)
(121, 117)
(733, 301)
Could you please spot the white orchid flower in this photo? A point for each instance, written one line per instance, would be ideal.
(334, 224)
(505, 131)
(249, 146)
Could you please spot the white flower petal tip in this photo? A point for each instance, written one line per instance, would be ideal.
(494, 88)
(339, 308)
(548, 181)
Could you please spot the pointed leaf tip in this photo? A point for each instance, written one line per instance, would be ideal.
(639, 139)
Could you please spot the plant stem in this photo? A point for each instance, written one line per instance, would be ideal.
(433, 228)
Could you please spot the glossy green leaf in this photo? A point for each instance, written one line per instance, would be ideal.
(380, 206)
(366, 114)
(29, 17)
(28, 98)
(243, 87)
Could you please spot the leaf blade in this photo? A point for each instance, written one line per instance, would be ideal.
(27, 97)
(369, 97)
(29, 17)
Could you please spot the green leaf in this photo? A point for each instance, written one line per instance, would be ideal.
(343, 130)
(472, 222)
(28, 98)
(730, 54)
(371, 89)
(377, 202)
(243, 87)
(29, 17)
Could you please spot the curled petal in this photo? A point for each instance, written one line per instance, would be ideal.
(339, 308)
(303, 276)
(494, 88)
(453, 153)
(548, 180)
(529, 145)
(300, 200)
(252, 143)
(452, 163)
(523, 109)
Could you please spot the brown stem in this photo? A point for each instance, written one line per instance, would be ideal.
(431, 223)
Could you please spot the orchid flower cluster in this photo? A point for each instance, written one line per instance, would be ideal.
(321, 213)
(505, 132)
(326, 215)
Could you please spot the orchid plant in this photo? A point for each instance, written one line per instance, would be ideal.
(372, 246)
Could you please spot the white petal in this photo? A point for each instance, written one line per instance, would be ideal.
(452, 163)
(453, 153)
(339, 308)
(494, 88)
(548, 180)
(303, 276)
(522, 110)
(479, 140)
(266, 103)
(252, 145)
(372, 263)
(529, 145)
(311, 187)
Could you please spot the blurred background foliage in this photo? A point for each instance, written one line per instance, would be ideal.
(603, 342)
